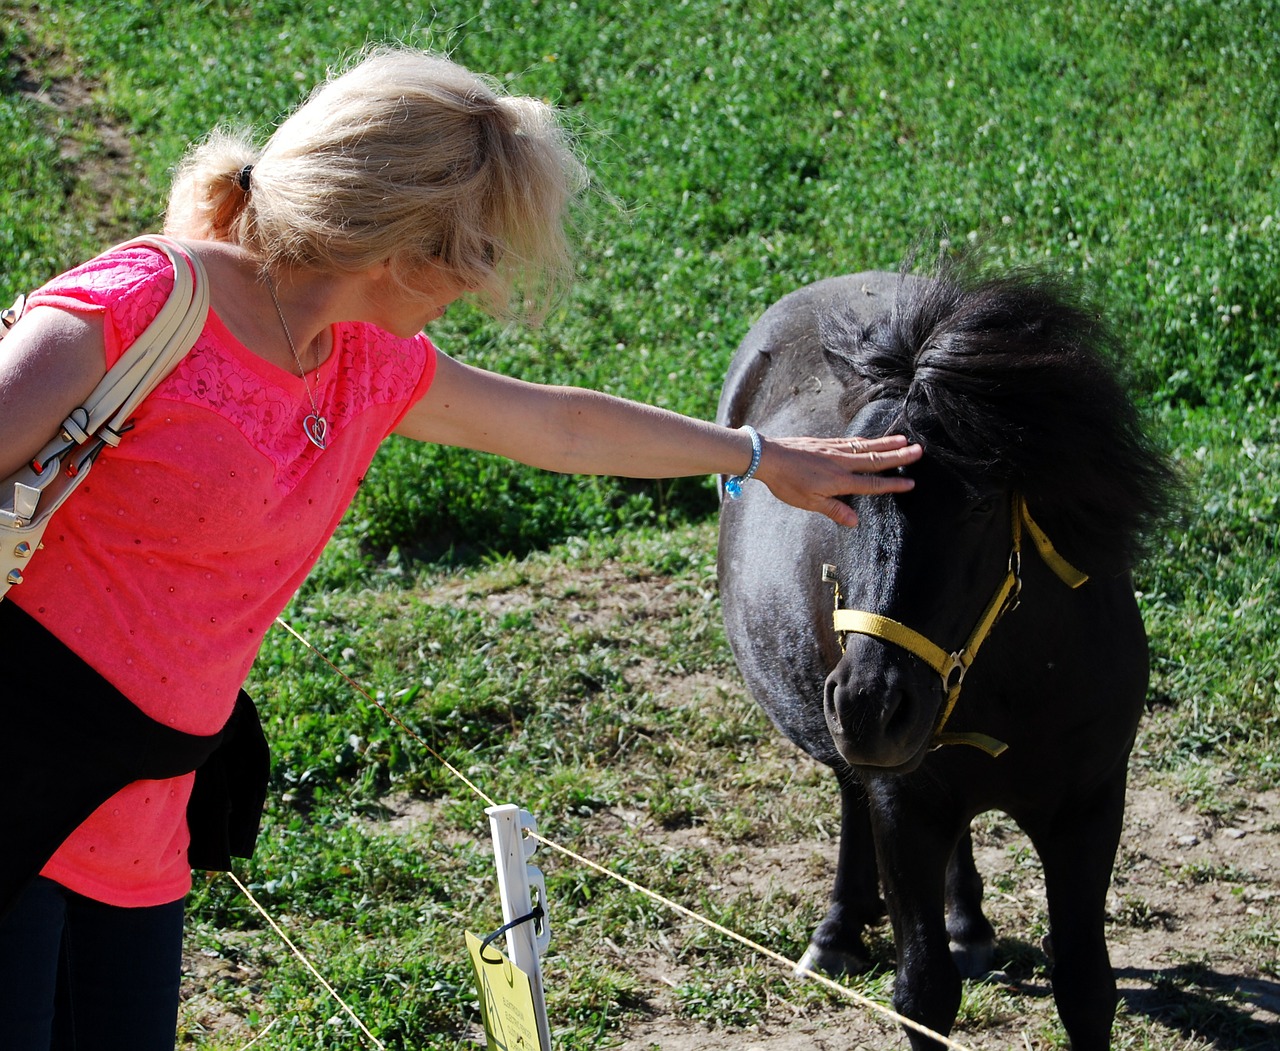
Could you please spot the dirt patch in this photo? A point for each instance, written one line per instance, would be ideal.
(216, 982)
(1193, 928)
(1193, 921)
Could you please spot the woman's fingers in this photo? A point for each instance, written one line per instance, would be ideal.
(864, 456)
(865, 445)
(883, 454)
(840, 513)
(815, 473)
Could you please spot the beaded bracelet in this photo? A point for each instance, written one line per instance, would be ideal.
(734, 485)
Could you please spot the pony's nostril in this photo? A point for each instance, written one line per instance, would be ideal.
(834, 707)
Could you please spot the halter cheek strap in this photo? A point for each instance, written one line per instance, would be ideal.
(952, 667)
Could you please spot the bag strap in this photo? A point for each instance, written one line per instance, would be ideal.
(30, 496)
(152, 356)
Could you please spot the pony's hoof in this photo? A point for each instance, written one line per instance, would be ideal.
(831, 962)
(973, 959)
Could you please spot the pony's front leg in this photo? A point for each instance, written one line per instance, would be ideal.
(912, 868)
(1077, 848)
(972, 937)
(836, 946)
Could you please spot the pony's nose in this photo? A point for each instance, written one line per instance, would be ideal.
(873, 710)
(861, 713)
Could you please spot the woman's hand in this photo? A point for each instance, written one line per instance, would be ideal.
(812, 473)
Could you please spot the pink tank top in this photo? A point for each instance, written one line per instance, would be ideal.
(169, 564)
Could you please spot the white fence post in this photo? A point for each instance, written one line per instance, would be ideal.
(522, 887)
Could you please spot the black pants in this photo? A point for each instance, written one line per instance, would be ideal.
(78, 975)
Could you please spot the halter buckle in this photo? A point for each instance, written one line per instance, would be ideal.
(955, 666)
(830, 575)
(1015, 570)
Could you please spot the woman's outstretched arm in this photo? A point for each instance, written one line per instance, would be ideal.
(577, 431)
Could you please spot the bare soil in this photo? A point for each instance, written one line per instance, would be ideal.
(1193, 928)
(1193, 922)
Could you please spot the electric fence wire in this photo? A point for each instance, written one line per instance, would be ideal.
(796, 970)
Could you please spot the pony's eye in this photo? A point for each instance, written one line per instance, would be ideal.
(985, 506)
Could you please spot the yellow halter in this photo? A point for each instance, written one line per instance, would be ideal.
(952, 667)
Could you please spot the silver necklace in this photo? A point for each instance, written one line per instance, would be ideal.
(315, 426)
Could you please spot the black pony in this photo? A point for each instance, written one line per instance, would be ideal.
(1036, 472)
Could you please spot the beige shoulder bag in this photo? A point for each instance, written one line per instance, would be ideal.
(30, 496)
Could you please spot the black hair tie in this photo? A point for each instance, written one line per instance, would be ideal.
(243, 178)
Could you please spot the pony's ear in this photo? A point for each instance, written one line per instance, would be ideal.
(844, 370)
(841, 334)
(856, 388)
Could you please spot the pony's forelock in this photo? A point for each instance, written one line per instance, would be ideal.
(1015, 380)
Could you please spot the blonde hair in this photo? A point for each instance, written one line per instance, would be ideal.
(406, 157)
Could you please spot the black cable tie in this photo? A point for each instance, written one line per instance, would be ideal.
(536, 914)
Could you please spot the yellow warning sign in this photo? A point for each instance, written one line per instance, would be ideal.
(506, 1000)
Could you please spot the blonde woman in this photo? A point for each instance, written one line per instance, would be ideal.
(396, 188)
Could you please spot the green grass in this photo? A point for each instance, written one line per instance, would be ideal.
(748, 148)
(1209, 600)
(755, 147)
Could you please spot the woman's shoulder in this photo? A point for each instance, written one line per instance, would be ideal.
(127, 285)
(120, 273)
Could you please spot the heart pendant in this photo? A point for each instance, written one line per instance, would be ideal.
(316, 429)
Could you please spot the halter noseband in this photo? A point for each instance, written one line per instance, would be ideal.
(952, 667)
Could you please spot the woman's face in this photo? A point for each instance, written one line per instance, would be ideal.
(406, 312)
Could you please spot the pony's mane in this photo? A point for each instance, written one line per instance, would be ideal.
(1013, 380)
